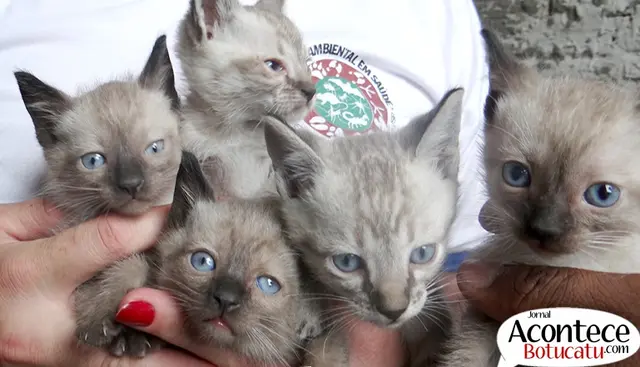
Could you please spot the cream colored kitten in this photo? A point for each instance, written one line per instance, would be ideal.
(241, 63)
(563, 185)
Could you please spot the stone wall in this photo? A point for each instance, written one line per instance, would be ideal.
(594, 38)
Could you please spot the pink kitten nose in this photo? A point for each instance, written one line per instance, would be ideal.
(391, 303)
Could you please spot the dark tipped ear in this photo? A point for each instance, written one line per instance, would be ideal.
(504, 69)
(435, 134)
(275, 6)
(191, 186)
(45, 104)
(204, 16)
(294, 161)
(158, 72)
(491, 105)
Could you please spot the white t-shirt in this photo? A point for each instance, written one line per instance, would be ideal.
(401, 56)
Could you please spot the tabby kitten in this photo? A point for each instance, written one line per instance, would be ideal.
(369, 215)
(240, 63)
(115, 148)
(561, 192)
(232, 273)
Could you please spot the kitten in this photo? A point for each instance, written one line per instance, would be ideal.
(233, 274)
(561, 192)
(240, 63)
(115, 148)
(369, 215)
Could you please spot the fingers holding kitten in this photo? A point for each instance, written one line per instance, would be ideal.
(98, 314)
(162, 358)
(30, 220)
(78, 253)
(168, 323)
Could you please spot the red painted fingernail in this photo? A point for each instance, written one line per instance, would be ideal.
(136, 313)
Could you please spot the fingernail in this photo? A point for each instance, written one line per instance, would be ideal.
(136, 313)
(477, 275)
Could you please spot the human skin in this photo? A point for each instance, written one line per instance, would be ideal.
(369, 346)
(503, 291)
(39, 272)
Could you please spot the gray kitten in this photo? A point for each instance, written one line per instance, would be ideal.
(233, 274)
(369, 215)
(115, 148)
(561, 192)
(240, 63)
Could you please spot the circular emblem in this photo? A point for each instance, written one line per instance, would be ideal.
(347, 102)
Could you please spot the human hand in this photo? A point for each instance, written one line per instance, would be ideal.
(155, 312)
(503, 291)
(39, 273)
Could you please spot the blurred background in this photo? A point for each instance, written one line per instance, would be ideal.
(594, 38)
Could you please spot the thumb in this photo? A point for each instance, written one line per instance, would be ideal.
(75, 255)
(503, 291)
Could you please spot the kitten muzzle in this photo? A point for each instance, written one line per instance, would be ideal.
(390, 304)
(308, 90)
(227, 294)
(129, 177)
(545, 230)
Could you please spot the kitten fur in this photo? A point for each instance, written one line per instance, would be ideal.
(121, 120)
(245, 239)
(240, 63)
(379, 196)
(569, 134)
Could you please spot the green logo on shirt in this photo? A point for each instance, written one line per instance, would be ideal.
(342, 104)
(350, 97)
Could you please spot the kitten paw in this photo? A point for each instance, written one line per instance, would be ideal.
(119, 340)
(134, 343)
(99, 335)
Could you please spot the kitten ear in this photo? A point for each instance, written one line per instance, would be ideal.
(435, 134)
(275, 6)
(45, 104)
(205, 15)
(505, 70)
(158, 72)
(294, 160)
(191, 186)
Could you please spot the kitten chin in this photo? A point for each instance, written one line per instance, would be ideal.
(369, 215)
(112, 149)
(234, 276)
(561, 192)
(241, 63)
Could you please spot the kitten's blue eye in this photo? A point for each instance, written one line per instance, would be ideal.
(155, 147)
(268, 285)
(202, 261)
(602, 195)
(423, 254)
(516, 174)
(93, 160)
(274, 65)
(347, 262)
